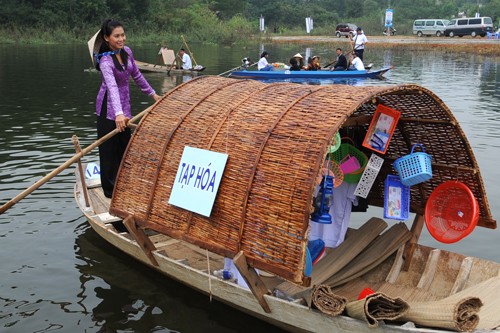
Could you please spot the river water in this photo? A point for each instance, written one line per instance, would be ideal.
(58, 276)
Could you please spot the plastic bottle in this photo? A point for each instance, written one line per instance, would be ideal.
(225, 273)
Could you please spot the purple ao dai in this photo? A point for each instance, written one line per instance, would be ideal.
(116, 84)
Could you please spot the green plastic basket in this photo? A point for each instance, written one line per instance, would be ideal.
(349, 149)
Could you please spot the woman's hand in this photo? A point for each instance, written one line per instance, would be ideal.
(156, 97)
(121, 122)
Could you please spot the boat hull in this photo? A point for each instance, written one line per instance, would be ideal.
(292, 316)
(322, 74)
(152, 68)
(284, 314)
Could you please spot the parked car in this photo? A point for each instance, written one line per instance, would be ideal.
(469, 26)
(429, 27)
(345, 29)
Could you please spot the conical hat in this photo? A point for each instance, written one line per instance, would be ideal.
(94, 44)
(298, 55)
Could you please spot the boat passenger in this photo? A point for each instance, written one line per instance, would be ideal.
(294, 64)
(341, 63)
(313, 63)
(356, 62)
(263, 65)
(186, 60)
(300, 60)
(116, 63)
(163, 48)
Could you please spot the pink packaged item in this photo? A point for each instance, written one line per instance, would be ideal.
(349, 164)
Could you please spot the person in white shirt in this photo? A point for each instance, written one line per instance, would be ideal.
(360, 41)
(263, 65)
(356, 62)
(186, 60)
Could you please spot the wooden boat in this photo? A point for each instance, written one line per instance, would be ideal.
(321, 74)
(147, 67)
(276, 138)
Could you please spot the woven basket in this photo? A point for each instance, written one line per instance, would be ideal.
(414, 168)
(349, 149)
(337, 173)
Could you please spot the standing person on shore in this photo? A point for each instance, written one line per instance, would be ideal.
(359, 42)
(341, 63)
(186, 60)
(116, 63)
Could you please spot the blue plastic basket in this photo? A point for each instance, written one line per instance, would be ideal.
(414, 168)
(396, 199)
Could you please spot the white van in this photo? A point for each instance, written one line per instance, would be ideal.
(472, 26)
(428, 27)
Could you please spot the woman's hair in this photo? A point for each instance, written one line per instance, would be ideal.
(107, 28)
(264, 54)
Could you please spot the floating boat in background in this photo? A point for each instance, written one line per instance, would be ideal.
(147, 67)
(320, 74)
(276, 138)
(168, 60)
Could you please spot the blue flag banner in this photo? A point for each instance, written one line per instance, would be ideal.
(388, 17)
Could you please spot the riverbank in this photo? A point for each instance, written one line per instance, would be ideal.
(478, 45)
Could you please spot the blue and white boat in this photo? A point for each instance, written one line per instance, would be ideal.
(321, 74)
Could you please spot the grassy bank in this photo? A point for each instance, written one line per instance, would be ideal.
(452, 45)
(480, 46)
(483, 49)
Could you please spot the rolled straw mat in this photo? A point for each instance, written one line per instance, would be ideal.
(376, 307)
(487, 292)
(327, 302)
(461, 315)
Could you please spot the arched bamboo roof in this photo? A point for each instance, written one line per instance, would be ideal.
(276, 136)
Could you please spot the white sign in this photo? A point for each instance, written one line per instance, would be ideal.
(92, 171)
(197, 180)
(261, 23)
(309, 24)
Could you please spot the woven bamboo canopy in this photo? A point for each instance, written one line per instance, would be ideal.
(276, 137)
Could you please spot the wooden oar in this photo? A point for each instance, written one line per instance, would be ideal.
(175, 59)
(235, 68)
(189, 51)
(329, 64)
(66, 164)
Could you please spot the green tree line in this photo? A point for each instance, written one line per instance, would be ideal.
(219, 21)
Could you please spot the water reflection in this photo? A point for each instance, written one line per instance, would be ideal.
(171, 81)
(124, 295)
